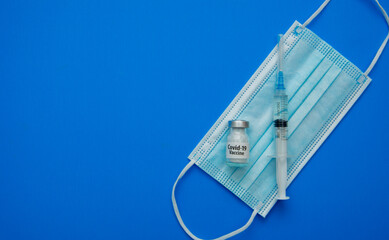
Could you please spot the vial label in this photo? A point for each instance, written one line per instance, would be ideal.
(238, 150)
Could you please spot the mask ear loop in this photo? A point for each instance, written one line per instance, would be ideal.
(317, 12)
(380, 50)
(178, 215)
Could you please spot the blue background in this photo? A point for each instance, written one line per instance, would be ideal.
(101, 102)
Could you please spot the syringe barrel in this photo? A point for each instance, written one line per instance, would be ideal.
(280, 106)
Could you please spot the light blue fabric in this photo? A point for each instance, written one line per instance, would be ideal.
(321, 84)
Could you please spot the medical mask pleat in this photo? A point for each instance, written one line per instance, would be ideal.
(307, 102)
(325, 107)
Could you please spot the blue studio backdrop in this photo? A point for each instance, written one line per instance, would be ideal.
(101, 102)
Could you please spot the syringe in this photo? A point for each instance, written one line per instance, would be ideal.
(281, 125)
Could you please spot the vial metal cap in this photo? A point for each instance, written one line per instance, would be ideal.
(238, 124)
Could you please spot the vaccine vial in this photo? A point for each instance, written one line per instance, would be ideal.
(238, 149)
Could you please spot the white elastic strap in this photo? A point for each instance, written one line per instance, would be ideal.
(178, 215)
(379, 52)
(309, 20)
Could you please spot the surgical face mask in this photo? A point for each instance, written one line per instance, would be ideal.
(322, 85)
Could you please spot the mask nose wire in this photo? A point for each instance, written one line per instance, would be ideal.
(380, 50)
(178, 215)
